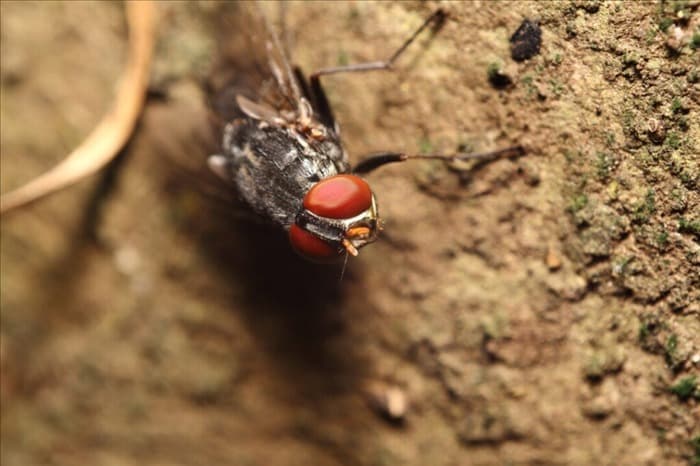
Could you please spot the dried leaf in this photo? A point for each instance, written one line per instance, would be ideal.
(108, 138)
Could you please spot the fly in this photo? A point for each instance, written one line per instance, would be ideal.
(287, 162)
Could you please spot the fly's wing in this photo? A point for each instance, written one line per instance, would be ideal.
(250, 77)
(240, 71)
(252, 64)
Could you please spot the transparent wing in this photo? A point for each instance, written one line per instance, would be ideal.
(241, 71)
(251, 63)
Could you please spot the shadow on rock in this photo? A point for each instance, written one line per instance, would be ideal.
(293, 308)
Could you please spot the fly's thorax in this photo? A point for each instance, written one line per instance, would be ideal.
(274, 166)
(285, 147)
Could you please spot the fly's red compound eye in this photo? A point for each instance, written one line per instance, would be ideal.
(310, 246)
(340, 196)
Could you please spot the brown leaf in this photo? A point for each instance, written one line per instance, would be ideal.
(110, 135)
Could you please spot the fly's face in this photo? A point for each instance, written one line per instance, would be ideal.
(339, 215)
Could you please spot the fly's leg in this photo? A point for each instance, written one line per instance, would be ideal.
(325, 113)
(320, 101)
(321, 105)
(303, 85)
(437, 18)
(377, 160)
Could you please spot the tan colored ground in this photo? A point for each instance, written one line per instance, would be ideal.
(538, 311)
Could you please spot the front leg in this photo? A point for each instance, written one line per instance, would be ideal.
(318, 95)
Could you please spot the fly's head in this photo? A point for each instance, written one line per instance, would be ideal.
(339, 215)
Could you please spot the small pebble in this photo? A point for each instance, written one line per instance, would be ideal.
(526, 41)
(127, 260)
(389, 401)
(552, 260)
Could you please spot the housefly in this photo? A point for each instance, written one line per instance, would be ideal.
(281, 150)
